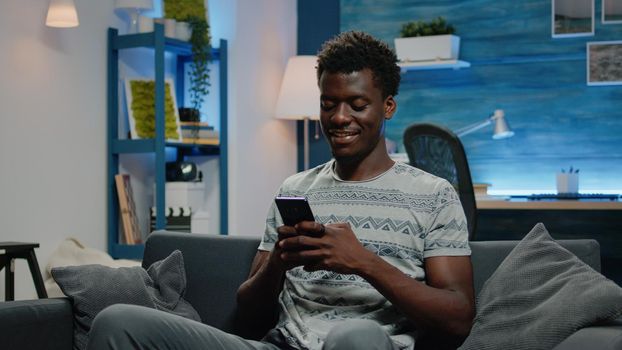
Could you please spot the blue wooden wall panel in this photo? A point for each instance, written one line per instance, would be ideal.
(539, 81)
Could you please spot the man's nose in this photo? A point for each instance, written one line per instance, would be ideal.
(342, 114)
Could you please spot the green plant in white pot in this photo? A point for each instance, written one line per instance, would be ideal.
(193, 15)
(427, 41)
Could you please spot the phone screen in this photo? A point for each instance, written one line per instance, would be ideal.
(294, 210)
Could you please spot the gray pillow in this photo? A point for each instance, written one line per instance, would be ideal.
(538, 296)
(92, 288)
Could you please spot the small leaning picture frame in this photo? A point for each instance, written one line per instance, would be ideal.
(604, 63)
(140, 97)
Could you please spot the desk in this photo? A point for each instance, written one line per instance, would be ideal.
(494, 202)
(564, 219)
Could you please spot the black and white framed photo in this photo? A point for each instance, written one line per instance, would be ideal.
(612, 12)
(604, 63)
(572, 18)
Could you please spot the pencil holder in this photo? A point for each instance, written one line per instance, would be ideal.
(567, 183)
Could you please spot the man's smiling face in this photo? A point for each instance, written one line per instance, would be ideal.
(353, 113)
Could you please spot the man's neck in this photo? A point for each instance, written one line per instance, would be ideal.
(365, 169)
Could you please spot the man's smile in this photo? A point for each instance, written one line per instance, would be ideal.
(340, 136)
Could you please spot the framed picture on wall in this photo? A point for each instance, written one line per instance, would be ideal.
(604, 63)
(612, 11)
(140, 96)
(572, 18)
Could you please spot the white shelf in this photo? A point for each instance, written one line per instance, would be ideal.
(437, 64)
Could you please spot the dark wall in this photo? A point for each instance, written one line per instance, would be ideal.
(318, 21)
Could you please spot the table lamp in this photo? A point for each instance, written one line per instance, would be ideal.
(62, 14)
(133, 7)
(501, 130)
(299, 97)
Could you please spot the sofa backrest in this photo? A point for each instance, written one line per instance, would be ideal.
(217, 265)
(487, 255)
(215, 268)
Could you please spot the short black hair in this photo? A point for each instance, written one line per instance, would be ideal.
(354, 51)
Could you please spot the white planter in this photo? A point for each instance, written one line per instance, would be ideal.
(427, 48)
(183, 31)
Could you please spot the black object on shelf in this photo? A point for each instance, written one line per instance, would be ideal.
(182, 171)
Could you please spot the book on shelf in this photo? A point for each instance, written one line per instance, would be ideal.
(198, 141)
(201, 134)
(127, 209)
(195, 126)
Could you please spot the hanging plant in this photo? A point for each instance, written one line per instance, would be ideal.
(193, 12)
(201, 56)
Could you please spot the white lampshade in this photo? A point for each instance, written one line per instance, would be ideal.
(299, 97)
(134, 4)
(62, 14)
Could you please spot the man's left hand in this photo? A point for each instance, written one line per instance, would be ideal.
(332, 247)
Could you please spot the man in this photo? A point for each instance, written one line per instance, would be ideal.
(381, 228)
(386, 259)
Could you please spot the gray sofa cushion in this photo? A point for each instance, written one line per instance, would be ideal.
(92, 288)
(539, 295)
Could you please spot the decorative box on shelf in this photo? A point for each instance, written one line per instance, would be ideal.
(177, 219)
(185, 194)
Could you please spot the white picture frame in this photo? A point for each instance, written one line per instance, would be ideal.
(140, 97)
(611, 12)
(604, 63)
(572, 18)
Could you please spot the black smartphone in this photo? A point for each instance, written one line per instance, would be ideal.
(294, 210)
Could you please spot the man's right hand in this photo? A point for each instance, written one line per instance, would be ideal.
(285, 232)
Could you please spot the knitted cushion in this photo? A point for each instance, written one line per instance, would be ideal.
(92, 288)
(538, 296)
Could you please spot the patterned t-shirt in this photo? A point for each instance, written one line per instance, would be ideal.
(403, 215)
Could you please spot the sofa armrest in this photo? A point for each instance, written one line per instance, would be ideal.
(605, 337)
(36, 324)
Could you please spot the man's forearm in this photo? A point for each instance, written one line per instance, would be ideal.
(429, 308)
(257, 297)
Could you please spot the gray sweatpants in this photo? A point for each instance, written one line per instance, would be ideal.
(135, 327)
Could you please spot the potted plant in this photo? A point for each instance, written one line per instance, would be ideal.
(193, 12)
(427, 41)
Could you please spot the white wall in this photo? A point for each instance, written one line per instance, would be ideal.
(53, 120)
(262, 149)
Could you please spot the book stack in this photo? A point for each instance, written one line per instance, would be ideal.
(177, 219)
(199, 133)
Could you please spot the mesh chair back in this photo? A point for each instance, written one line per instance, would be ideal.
(438, 151)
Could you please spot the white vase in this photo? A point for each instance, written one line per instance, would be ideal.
(428, 48)
(183, 31)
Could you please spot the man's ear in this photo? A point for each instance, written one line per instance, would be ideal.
(390, 106)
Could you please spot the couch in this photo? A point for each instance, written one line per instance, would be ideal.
(215, 267)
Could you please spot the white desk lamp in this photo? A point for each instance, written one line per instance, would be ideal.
(62, 14)
(501, 131)
(299, 97)
(133, 7)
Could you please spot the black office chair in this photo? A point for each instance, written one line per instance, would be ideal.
(438, 151)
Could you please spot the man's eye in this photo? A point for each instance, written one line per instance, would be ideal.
(359, 108)
(327, 106)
